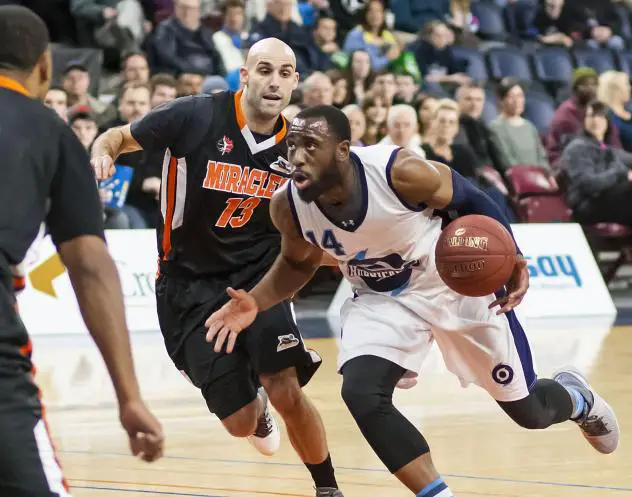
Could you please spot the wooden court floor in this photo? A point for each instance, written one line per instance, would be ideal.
(478, 450)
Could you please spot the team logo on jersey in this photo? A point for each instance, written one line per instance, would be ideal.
(287, 342)
(503, 374)
(386, 274)
(281, 165)
(225, 145)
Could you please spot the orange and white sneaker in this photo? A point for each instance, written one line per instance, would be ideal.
(598, 422)
(267, 437)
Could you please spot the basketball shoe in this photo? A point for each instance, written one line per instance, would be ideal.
(267, 437)
(328, 492)
(598, 422)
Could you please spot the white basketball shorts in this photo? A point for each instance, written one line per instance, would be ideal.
(477, 345)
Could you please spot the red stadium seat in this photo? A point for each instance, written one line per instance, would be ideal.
(494, 178)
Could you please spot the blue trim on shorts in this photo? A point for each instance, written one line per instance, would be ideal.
(522, 346)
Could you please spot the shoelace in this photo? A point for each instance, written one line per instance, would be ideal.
(594, 425)
(264, 426)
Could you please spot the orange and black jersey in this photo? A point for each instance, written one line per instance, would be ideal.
(217, 181)
(46, 177)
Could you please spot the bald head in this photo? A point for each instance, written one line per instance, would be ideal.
(271, 49)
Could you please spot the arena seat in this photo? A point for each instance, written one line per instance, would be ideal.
(476, 66)
(509, 61)
(624, 61)
(599, 60)
(539, 109)
(553, 65)
(491, 23)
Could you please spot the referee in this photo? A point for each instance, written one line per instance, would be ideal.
(45, 176)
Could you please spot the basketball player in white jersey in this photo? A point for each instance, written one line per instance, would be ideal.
(379, 211)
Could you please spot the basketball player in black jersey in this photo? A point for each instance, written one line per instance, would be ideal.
(224, 156)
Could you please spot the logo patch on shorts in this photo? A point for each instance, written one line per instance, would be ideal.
(503, 374)
(287, 342)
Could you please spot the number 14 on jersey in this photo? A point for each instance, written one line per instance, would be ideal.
(328, 241)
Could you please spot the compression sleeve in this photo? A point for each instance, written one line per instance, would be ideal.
(468, 199)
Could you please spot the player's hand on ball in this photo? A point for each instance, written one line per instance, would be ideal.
(516, 288)
(144, 431)
(103, 166)
(234, 316)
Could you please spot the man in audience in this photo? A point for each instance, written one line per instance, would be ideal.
(142, 199)
(601, 23)
(189, 84)
(164, 88)
(229, 40)
(318, 90)
(278, 24)
(403, 129)
(474, 132)
(326, 46)
(384, 87)
(183, 45)
(57, 99)
(553, 23)
(76, 82)
(84, 124)
(435, 58)
(134, 68)
(407, 89)
(568, 119)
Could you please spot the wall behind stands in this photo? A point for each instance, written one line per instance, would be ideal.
(565, 280)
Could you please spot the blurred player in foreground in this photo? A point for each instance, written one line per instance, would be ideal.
(46, 177)
(374, 209)
(225, 155)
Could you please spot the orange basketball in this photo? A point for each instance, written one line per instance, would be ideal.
(475, 255)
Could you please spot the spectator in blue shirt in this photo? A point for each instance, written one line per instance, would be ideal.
(614, 91)
(373, 37)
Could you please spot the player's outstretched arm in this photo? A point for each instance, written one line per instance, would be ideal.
(96, 283)
(420, 181)
(107, 148)
(293, 268)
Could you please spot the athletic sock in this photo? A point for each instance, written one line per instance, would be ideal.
(437, 488)
(579, 402)
(323, 473)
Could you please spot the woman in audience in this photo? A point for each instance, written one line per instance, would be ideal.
(598, 178)
(341, 88)
(375, 110)
(426, 106)
(441, 148)
(614, 91)
(358, 75)
(357, 122)
(518, 138)
(373, 37)
(403, 129)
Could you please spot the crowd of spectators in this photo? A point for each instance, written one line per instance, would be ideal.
(392, 66)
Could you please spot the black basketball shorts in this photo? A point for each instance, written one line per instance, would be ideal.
(228, 382)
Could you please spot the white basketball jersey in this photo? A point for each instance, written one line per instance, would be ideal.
(388, 248)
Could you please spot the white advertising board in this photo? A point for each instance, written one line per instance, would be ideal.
(48, 305)
(565, 280)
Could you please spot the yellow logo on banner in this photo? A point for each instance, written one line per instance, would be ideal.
(43, 275)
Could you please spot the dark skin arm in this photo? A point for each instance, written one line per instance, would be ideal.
(293, 268)
(421, 181)
(107, 148)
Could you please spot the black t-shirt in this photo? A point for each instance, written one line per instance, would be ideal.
(217, 183)
(46, 177)
(463, 159)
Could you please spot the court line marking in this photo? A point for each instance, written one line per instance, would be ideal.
(156, 492)
(370, 470)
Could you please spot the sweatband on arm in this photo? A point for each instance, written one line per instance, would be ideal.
(468, 199)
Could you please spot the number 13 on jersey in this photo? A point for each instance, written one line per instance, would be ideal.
(236, 219)
(328, 241)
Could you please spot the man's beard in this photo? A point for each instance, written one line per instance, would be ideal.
(330, 178)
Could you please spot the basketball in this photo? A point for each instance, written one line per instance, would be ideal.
(475, 255)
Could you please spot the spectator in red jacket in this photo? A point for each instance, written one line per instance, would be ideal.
(568, 120)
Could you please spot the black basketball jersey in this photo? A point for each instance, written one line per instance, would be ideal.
(217, 181)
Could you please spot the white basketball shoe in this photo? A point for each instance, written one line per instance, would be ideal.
(267, 437)
(598, 423)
